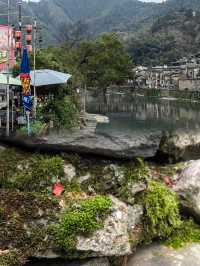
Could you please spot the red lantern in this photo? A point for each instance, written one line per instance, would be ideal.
(18, 45)
(18, 34)
(28, 38)
(29, 28)
(29, 48)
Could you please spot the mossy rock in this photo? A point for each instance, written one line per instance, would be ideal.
(28, 172)
(24, 222)
(81, 216)
(162, 215)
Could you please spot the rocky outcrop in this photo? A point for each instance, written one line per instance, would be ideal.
(176, 146)
(27, 221)
(188, 188)
(114, 238)
(180, 145)
(52, 262)
(159, 255)
(120, 234)
(126, 147)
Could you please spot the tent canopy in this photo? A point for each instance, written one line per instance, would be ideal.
(45, 77)
(12, 81)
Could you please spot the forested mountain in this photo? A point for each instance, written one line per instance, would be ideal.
(170, 37)
(61, 17)
(164, 30)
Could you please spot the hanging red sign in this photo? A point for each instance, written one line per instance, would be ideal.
(4, 44)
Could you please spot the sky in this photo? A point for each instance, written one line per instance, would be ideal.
(157, 1)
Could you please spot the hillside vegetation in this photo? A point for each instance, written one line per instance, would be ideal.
(171, 37)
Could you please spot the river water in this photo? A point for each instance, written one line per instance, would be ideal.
(134, 115)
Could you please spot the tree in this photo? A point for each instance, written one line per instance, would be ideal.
(104, 62)
(95, 63)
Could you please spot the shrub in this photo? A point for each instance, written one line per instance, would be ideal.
(35, 127)
(81, 217)
(161, 212)
(63, 112)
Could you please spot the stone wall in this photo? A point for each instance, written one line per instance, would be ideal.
(190, 84)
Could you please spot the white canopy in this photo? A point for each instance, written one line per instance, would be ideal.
(45, 77)
(12, 81)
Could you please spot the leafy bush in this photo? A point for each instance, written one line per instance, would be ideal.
(161, 212)
(63, 112)
(81, 217)
(36, 129)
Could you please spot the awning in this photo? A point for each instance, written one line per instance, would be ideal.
(12, 81)
(45, 77)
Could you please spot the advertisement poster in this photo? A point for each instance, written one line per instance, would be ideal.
(4, 47)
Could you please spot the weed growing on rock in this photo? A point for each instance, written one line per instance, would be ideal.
(81, 217)
(161, 212)
(133, 173)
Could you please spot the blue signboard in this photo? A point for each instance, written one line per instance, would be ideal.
(27, 103)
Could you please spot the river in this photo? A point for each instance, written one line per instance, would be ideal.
(131, 114)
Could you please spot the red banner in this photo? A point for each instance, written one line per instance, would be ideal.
(4, 30)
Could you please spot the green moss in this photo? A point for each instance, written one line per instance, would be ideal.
(139, 172)
(161, 212)
(29, 173)
(13, 258)
(21, 228)
(73, 186)
(189, 232)
(81, 217)
(133, 173)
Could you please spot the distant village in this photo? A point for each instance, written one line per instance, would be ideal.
(183, 74)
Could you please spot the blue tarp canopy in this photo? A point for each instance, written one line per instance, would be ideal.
(45, 77)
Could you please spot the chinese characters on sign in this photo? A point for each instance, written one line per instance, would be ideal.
(4, 47)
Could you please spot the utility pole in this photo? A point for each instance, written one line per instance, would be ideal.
(34, 66)
(8, 76)
(20, 21)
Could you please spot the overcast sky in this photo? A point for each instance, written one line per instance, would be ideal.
(158, 1)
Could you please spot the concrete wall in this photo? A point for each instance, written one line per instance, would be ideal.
(190, 84)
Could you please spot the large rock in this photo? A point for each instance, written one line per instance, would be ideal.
(105, 145)
(70, 171)
(91, 262)
(188, 188)
(119, 228)
(180, 145)
(159, 255)
(120, 234)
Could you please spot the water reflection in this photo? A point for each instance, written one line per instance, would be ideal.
(132, 114)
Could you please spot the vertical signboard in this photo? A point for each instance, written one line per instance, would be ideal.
(4, 47)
